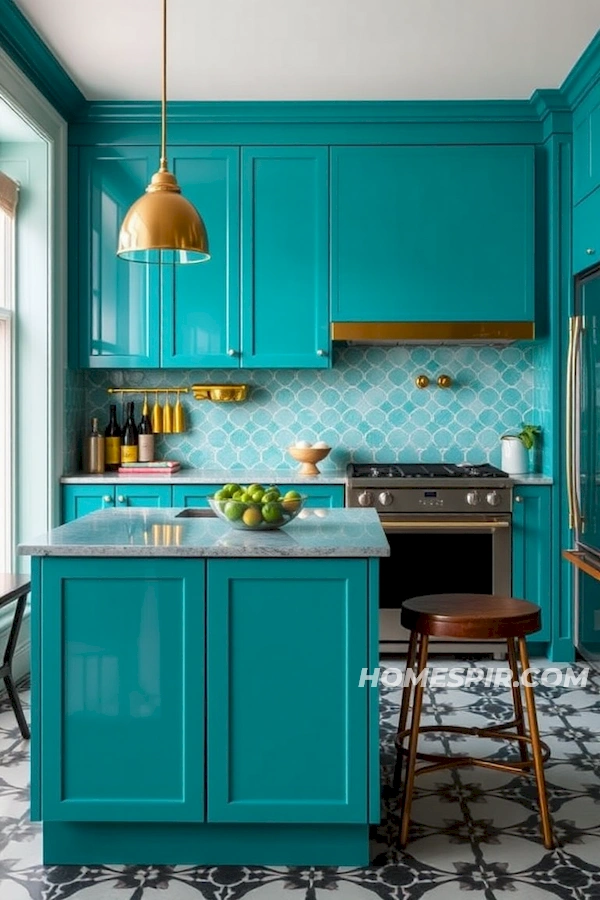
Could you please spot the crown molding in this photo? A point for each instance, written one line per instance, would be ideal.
(584, 74)
(309, 112)
(29, 52)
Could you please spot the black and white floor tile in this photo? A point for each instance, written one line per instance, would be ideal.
(475, 832)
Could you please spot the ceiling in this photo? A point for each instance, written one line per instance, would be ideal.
(317, 49)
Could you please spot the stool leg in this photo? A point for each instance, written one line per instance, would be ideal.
(516, 693)
(538, 765)
(406, 690)
(6, 669)
(412, 744)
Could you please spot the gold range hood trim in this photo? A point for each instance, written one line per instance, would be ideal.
(432, 332)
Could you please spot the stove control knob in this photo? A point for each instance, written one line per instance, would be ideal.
(365, 499)
(473, 498)
(493, 498)
(385, 498)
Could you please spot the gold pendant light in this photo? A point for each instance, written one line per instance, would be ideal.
(162, 226)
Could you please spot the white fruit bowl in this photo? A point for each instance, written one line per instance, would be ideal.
(308, 456)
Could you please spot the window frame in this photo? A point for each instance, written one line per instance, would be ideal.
(7, 392)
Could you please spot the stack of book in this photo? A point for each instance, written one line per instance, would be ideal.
(158, 467)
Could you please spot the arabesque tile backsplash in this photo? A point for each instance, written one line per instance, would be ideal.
(367, 407)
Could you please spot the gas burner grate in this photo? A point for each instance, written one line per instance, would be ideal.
(424, 470)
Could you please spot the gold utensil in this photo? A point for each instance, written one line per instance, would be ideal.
(157, 416)
(178, 417)
(145, 410)
(167, 417)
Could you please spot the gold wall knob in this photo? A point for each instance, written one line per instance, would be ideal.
(422, 381)
(444, 381)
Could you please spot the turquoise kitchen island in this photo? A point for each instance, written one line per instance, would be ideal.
(195, 689)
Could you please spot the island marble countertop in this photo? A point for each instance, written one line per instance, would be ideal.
(153, 532)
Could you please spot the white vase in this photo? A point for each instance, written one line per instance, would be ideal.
(515, 460)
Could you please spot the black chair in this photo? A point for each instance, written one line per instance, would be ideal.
(14, 587)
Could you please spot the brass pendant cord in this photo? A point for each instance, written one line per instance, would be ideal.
(163, 120)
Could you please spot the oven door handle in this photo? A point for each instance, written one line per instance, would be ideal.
(460, 526)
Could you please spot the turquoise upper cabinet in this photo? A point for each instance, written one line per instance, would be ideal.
(201, 320)
(586, 146)
(123, 735)
(440, 233)
(285, 742)
(285, 281)
(532, 551)
(586, 232)
(119, 301)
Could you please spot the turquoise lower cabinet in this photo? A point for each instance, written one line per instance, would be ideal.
(122, 682)
(286, 741)
(201, 320)
(432, 233)
(81, 499)
(532, 556)
(319, 495)
(193, 494)
(285, 261)
(143, 495)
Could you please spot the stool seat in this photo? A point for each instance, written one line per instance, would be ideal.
(476, 616)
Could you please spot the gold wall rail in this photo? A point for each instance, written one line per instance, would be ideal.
(148, 390)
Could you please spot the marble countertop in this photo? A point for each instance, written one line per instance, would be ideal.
(247, 476)
(213, 476)
(146, 532)
(531, 478)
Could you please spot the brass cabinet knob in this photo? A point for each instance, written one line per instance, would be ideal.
(422, 381)
(590, 251)
(444, 381)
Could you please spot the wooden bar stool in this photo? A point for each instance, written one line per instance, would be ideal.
(481, 617)
(14, 587)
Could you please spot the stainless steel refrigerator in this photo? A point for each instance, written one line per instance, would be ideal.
(583, 458)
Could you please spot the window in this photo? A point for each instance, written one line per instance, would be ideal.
(8, 204)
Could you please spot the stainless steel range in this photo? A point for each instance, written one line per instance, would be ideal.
(449, 529)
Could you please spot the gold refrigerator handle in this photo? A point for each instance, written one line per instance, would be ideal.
(578, 328)
(441, 524)
(569, 421)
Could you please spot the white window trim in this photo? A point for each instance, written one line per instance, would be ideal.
(7, 392)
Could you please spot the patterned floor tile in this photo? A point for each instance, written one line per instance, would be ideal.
(475, 832)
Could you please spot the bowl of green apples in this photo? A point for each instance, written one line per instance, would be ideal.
(256, 508)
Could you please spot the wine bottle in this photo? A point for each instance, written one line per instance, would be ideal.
(145, 437)
(129, 441)
(112, 441)
(93, 451)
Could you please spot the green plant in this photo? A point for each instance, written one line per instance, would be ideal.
(527, 435)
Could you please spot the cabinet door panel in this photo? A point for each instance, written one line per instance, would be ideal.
(586, 232)
(193, 494)
(285, 286)
(286, 742)
(81, 499)
(432, 233)
(143, 495)
(120, 300)
(532, 528)
(327, 495)
(122, 690)
(586, 146)
(201, 302)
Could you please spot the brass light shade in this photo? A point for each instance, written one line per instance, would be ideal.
(162, 226)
